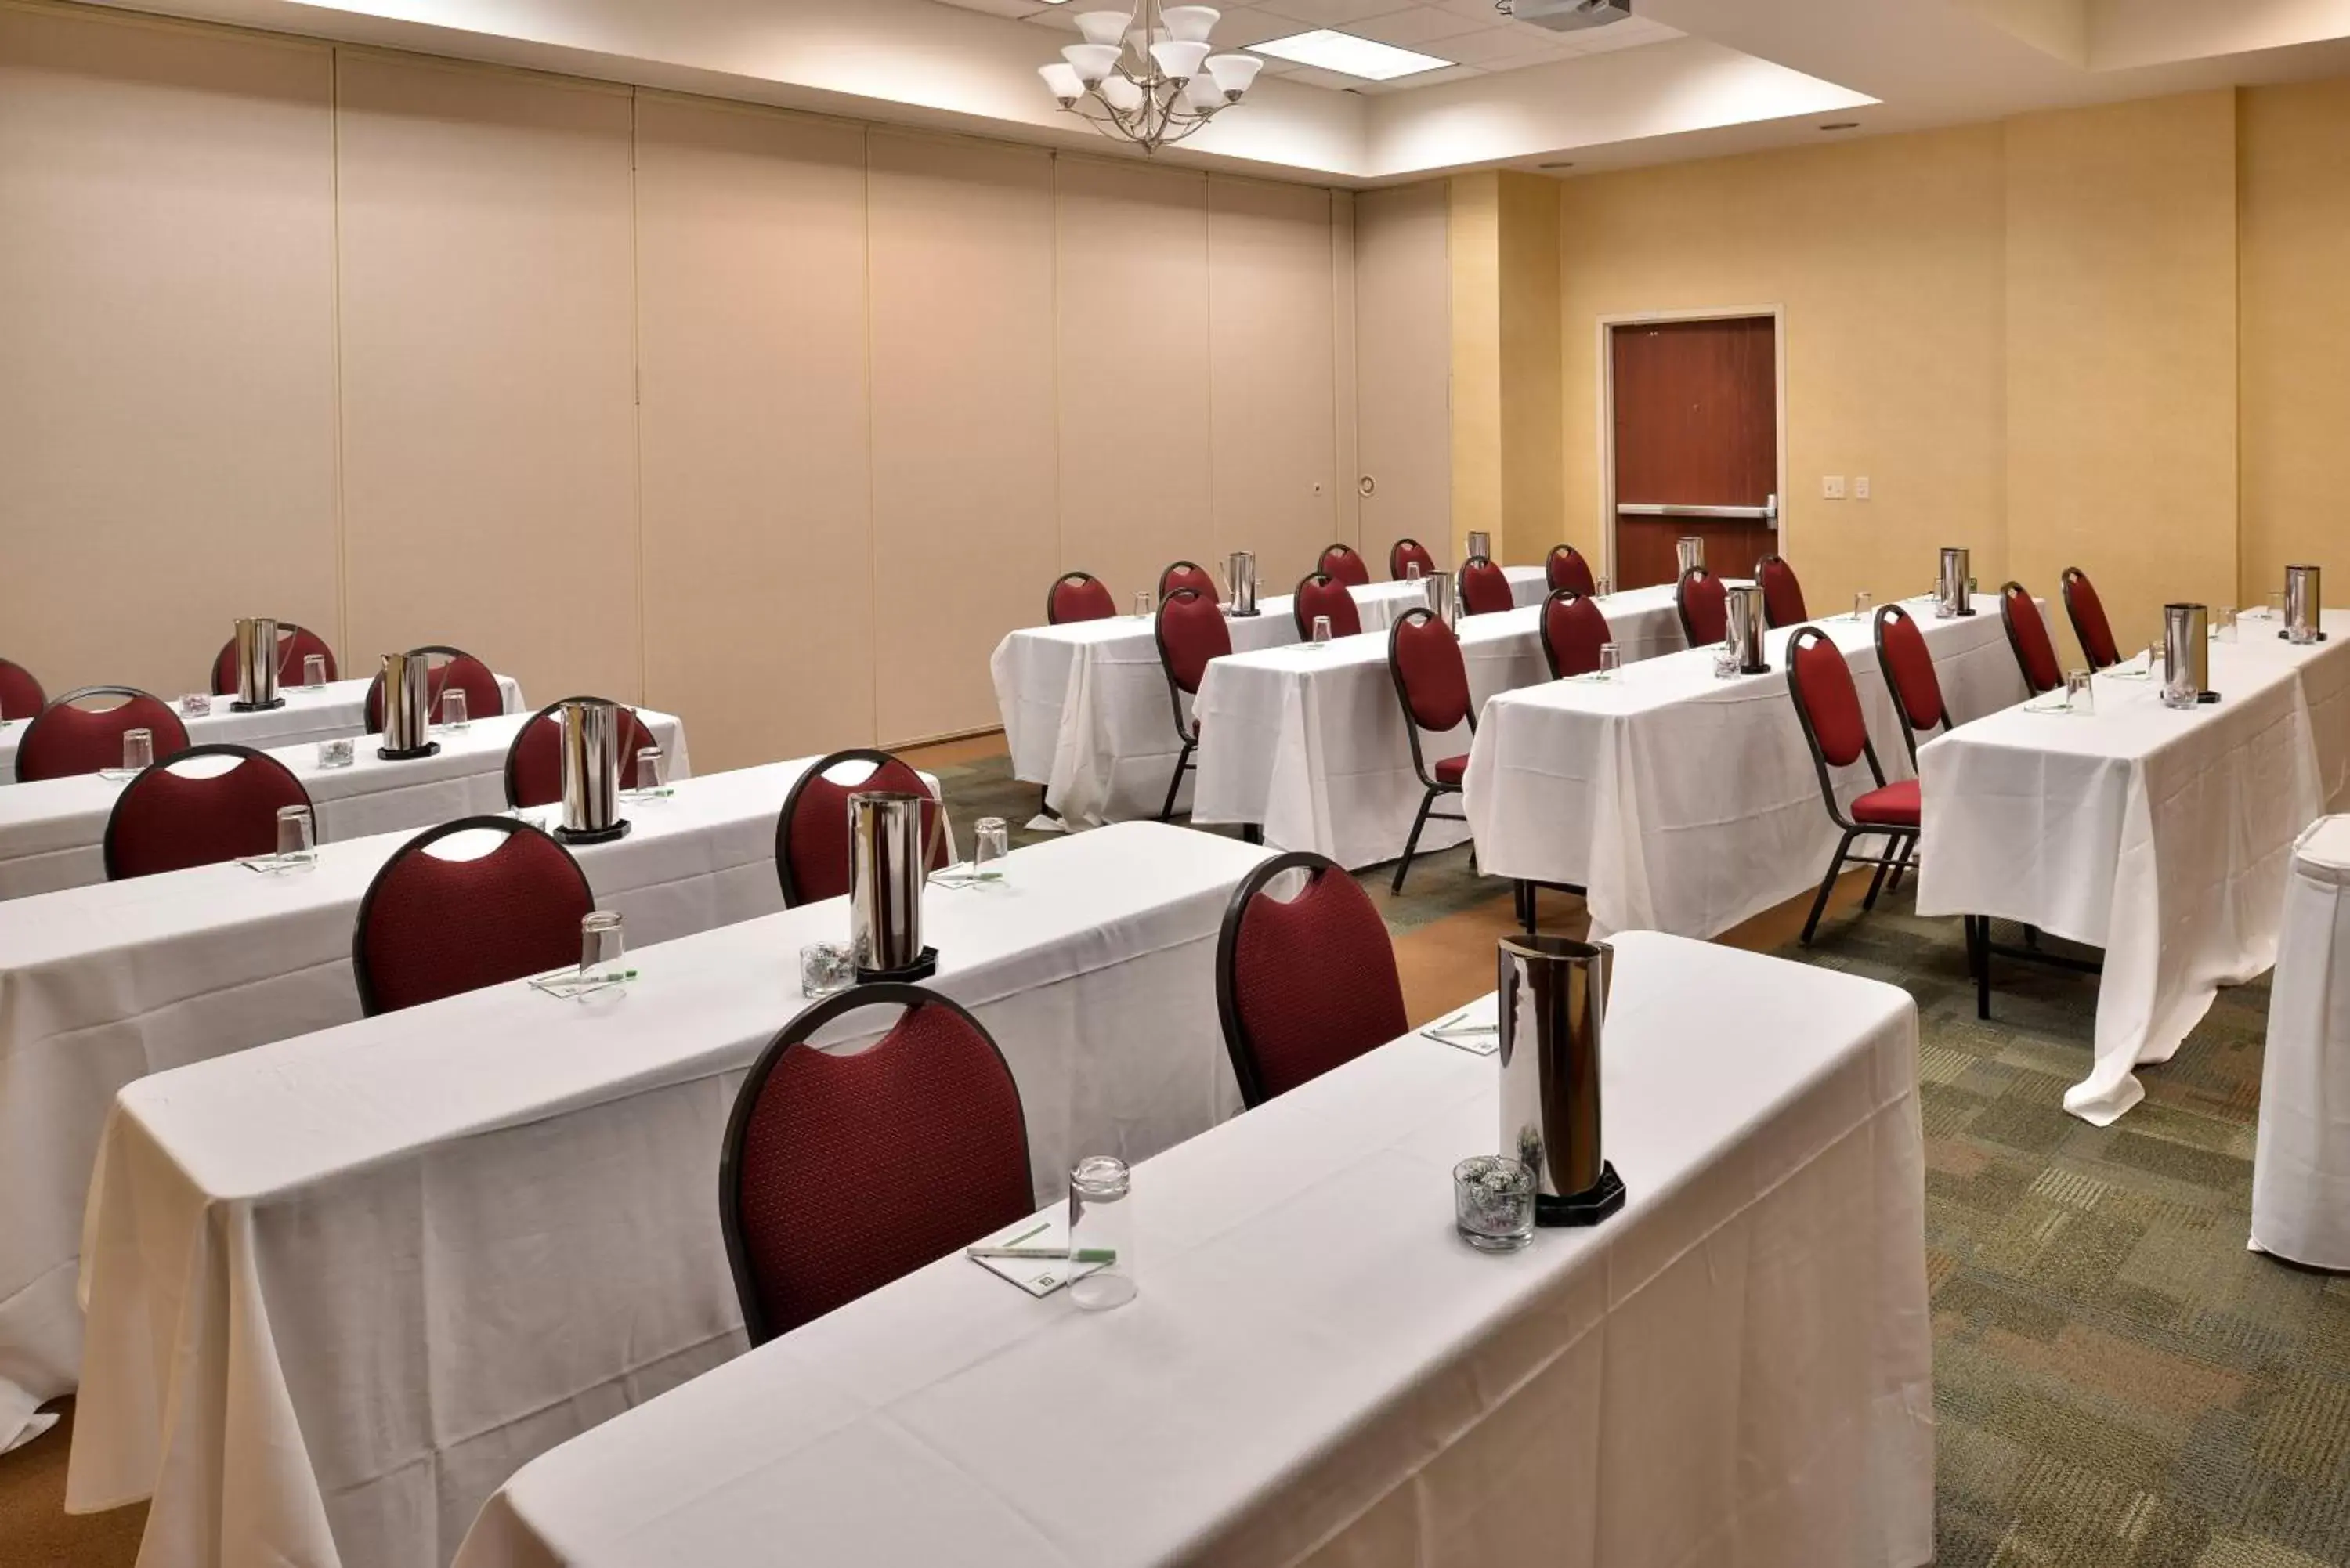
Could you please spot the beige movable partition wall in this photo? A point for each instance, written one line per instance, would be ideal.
(758, 534)
(1404, 367)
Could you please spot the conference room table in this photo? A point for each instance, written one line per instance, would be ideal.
(309, 714)
(53, 831)
(1685, 802)
(2300, 1159)
(109, 984)
(1309, 743)
(1737, 1368)
(340, 1287)
(1085, 705)
(2164, 837)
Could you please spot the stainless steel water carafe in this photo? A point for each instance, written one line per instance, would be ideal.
(885, 875)
(1552, 994)
(1240, 582)
(1747, 623)
(406, 685)
(591, 772)
(1951, 595)
(256, 665)
(2185, 655)
(1481, 542)
(2305, 605)
(1690, 550)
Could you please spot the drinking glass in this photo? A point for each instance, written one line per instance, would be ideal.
(294, 838)
(1411, 571)
(652, 771)
(1601, 589)
(138, 751)
(453, 708)
(1101, 1233)
(1493, 1202)
(2223, 628)
(2276, 606)
(825, 968)
(990, 841)
(603, 951)
(1321, 630)
(1860, 605)
(1611, 662)
(1142, 605)
(314, 671)
(2080, 692)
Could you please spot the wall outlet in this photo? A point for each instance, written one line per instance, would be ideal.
(1831, 487)
(1860, 487)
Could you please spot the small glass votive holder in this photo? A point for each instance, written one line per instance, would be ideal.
(1860, 605)
(2080, 692)
(1101, 1233)
(138, 751)
(1493, 1202)
(1611, 662)
(335, 753)
(296, 850)
(196, 705)
(452, 709)
(1725, 661)
(990, 841)
(1321, 631)
(825, 968)
(1142, 605)
(314, 672)
(2223, 625)
(603, 949)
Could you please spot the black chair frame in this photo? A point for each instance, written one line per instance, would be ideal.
(2066, 579)
(1886, 613)
(1395, 565)
(1237, 1044)
(2015, 643)
(879, 993)
(1418, 759)
(1340, 547)
(1680, 605)
(1053, 594)
(369, 1003)
(1174, 568)
(210, 749)
(75, 695)
(1189, 733)
(1761, 562)
(1981, 949)
(1899, 841)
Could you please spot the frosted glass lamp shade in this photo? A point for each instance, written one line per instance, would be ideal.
(1178, 61)
(1061, 81)
(1104, 26)
(1201, 95)
(1120, 93)
(1190, 24)
(1091, 61)
(1234, 73)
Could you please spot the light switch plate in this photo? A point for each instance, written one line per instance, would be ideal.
(1860, 487)
(1831, 487)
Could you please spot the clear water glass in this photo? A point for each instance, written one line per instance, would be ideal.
(2223, 627)
(1101, 1233)
(1321, 630)
(2276, 606)
(452, 709)
(1860, 606)
(603, 948)
(1493, 1202)
(1601, 589)
(825, 968)
(1611, 661)
(138, 750)
(653, 770)
(314, 671)
(1411, 571)
(2080, 692)
(294, 838)
(1142, 605)
(990, 841)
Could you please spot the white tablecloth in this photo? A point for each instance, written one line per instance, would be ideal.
(1310, 743)
(2162, 836)
(105, 985)
(51, 832)
(1735, 1369)
(1085, 705)
(1685, 803)
(2301, 1167)
(340, 1287)
(334, 710)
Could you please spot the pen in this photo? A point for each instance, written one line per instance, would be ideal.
(1047, 1254)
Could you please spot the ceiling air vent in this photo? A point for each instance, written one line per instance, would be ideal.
(1569, 15)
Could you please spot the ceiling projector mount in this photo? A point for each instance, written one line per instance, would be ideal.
(1567, 16)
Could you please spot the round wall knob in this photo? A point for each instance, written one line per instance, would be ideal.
(1366, 485)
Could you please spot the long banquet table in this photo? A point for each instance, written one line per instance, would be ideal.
(106, 984)
(1737, 1368)
(1682, 802)
(52, 831)
(340, 1287)
(1085, 705)
(1310, 745)
(309, 714)
(2164, 837)
(2300, 1159)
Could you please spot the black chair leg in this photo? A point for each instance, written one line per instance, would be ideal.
(1527, 913)
(1175, 785)
(1827, 885)
(1412, 844)
(1883, 866)
(1979, 951)
(1908, 846)
(1253, 833)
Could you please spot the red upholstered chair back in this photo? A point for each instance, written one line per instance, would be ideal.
(812, 830)
(1573, 630)
(1192, 631)
(1078, 596)
(449, 667)
(1909, 670)
(1484, 588)
(535, 760)
(168, 820)
(1322, 594)
(1431, 677)
(1306, 985)
(2087, 613)
(68, 737)
(2027, 633)
(1825, 698)
(843, 1172)
(1782, 596)
(1704, 605)
(1345, 563)
(1187, 575)
(1567, 570)
(431, 927)
(1407, 553)
(21, 696)
(294, 644)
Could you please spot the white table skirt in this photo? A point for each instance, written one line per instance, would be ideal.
(1685, 803)
(1085, 711)
(2162, 836)
(340, 1287)
(2301, 1166)
(325, 713)
(52, 832)
(1735, 1369)
(109, 984)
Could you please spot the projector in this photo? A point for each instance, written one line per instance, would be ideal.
(1570, 16)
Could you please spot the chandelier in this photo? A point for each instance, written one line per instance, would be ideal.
(1146, 77)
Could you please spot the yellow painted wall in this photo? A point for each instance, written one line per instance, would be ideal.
(1505, 370)
(1474, 237)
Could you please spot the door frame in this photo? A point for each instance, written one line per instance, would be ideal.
(1606, 326)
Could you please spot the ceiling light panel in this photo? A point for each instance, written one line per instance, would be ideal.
(1366, 58)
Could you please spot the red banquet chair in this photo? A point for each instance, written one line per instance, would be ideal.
(1431, 682)
(1191, 630)
(449, 667)
(843, 1172)
(1407, 553)
(1321, 594)
(534, 760)
(1909, 670)
(1078, 596)
(1486, 587)
(1782, 596)
(1305, 984)
(1187, 575)
(1828, 705)
(2027, 634)
(1565, 569)
(2086, 611)
(166, 820)
(294, 644)
(1346, 563)
(67, 738)
(1573, 630)
(21, 696)
(1703, 605)
(431, 927)
(812, 830)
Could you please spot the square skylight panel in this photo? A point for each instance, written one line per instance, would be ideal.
(1350, 56)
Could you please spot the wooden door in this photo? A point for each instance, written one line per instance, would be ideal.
(1697, 424)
